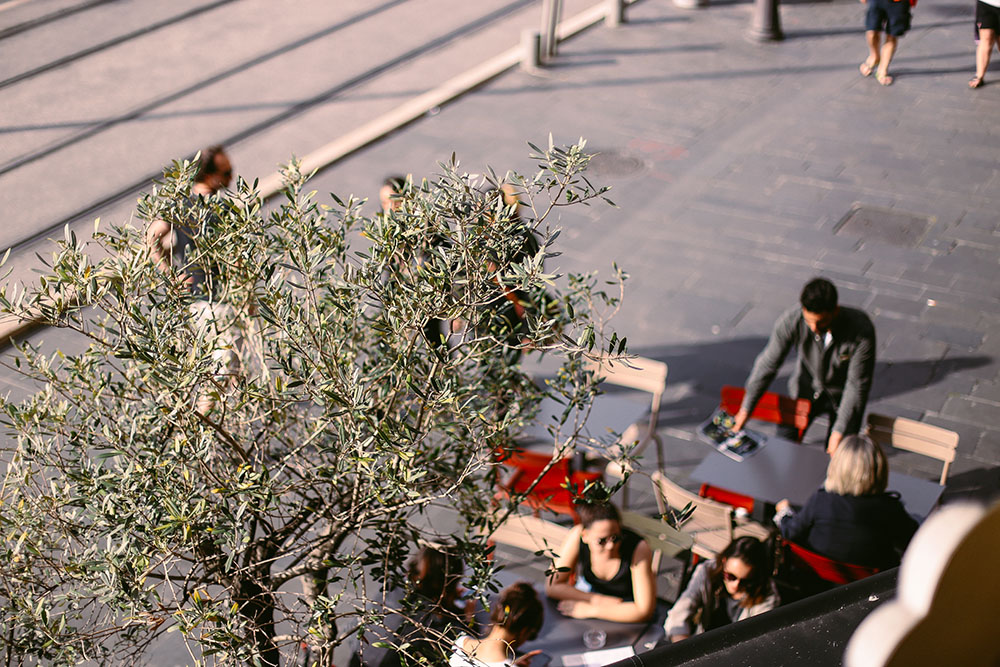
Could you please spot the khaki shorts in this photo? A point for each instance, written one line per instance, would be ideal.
(223, 329)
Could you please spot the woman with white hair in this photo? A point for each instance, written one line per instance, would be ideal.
(852, 519)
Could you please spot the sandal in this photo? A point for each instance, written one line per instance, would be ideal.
(883, 78)
(867, 68)
(976, 82)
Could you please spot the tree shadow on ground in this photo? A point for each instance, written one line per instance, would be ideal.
(904, 72)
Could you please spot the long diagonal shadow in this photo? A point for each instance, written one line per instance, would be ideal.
(697, 372)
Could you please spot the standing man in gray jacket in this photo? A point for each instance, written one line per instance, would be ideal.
(836, 360)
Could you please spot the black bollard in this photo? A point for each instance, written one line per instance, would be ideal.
(766, 23)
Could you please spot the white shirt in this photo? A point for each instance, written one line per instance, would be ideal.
(459, 658)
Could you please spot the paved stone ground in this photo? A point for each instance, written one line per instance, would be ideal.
(734, 165)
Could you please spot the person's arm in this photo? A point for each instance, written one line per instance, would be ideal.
(766, 366)
(611, 608)
(860, 370)
(156, 236)
(680, 620)
(795, 526)
(558, 586)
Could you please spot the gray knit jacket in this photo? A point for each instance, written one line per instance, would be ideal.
(843, 371)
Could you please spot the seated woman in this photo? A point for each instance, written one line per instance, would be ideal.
(734, 586)
(852, 519)
(425, 616)
(436, 577)
(515, 618)
(616, 579)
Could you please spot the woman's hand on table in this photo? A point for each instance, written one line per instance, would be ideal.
(525, 660)
(575, 608)
(586, 609)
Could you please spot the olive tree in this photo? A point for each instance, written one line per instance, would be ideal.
(245, 477)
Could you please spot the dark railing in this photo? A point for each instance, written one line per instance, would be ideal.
(813, 632)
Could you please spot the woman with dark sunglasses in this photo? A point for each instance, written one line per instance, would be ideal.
(734, 586)
(616, 580)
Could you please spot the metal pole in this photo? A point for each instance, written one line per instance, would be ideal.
(546, 22)
(765, 26)
(551, 9)
(691, 4)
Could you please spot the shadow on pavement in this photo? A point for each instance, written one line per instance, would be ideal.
(982, 485)
(697, 372)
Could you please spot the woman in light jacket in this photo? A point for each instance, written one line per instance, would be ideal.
(735, 586)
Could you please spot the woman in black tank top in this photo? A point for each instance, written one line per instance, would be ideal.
(615, 581)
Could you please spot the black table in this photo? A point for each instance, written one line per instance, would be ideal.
(562, 636)
(784, 469)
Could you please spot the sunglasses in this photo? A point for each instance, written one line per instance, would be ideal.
(613, 539)
(730, 577)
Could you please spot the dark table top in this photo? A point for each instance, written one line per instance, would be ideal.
(784, 469)
(562, 635)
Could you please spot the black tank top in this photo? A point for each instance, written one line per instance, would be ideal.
(620, 585)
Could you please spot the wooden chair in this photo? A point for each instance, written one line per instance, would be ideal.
(772, 408)
(554, 492)
(711, 524)
(530, 533)
(642, 374)
(913, 436)
(662, 538)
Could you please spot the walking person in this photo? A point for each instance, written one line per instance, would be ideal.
(987, 25)
(893, 18)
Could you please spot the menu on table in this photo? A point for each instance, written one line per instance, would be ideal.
(605, 656)
(718, 430)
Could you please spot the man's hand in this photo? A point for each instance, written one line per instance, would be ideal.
(834, 442)
(783, 505)
(739, 420)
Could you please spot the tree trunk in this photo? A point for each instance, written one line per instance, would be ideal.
(257, 606)
(321, 641)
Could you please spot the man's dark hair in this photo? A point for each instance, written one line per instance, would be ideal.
(207, 165)
(819, 296)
